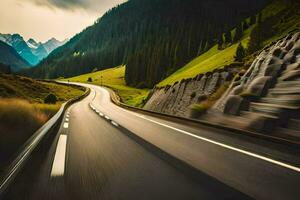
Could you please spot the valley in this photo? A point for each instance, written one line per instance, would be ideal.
(155, 99)
(31, 51)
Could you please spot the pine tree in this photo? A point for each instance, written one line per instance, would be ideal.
(256, 39)
(238, 33)
(252, 20)
(228, 37)
(220, 42)
(245, 25)
(259, 20)
(240, 53)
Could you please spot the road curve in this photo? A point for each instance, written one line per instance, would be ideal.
(92, 158)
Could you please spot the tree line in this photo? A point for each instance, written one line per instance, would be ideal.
(153, 38)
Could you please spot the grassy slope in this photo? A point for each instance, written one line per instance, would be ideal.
(216, 59)
(212, 59)
(114, 78)
(34, 91)
(22, 110)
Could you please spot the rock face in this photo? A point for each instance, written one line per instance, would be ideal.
(271, 86)
(264, 98)
(177, 99)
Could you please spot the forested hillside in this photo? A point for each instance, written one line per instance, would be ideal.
(8, 56)
(153, 38)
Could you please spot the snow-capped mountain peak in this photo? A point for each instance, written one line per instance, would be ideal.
(33, 44)
(32, 51)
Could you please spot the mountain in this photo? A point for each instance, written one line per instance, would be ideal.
(9, 56)
(153, 38)
(33, 44)
(33, 52)
(52, 44)
(18, 43)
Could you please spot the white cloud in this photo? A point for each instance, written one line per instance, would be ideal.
(44, 19)
(88, 5)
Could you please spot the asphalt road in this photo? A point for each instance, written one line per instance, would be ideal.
(94, 157)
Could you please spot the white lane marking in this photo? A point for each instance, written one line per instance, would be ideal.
(58, 167)
(101, 114)
(92, 106)
(67, 115)
(66, 125)
(282, 164)
(97, 111)
(106, 117)
(115, 123)
(67, 119)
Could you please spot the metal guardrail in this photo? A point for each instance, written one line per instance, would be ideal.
(116, 100)
(12, 170)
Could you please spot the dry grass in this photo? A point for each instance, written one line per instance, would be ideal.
(18, 121)
(22, 109)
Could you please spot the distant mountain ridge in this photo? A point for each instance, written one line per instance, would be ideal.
(153, 38)
(9, 56)
(33, 52)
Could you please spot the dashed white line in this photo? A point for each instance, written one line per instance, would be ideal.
(66, 125)
(279, 163)
(106, 117)
(101, 114)
(67, 119)
(58, 167)
(115, 123)
(93, 108)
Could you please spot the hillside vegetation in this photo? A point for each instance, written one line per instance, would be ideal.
(10, 57)
(285, 19)
(34, 91)
(23, 111)
(114, 79)
(153, 38)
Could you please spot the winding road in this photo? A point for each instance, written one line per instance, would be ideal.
(103, 151)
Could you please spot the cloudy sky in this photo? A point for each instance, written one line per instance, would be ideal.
(44, 19)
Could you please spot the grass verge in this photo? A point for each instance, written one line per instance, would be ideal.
(19, 119)
(114, 79)
(22, 110)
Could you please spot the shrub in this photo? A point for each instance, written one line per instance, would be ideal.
(90, 79)
(50, 99)
(237, 77)
(202, 97)
(219, 92)
(240, 53)
(197, 110)
(193, 95)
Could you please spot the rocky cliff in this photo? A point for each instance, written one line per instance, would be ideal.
(177, 99)
(265, 96)
(268, 94)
